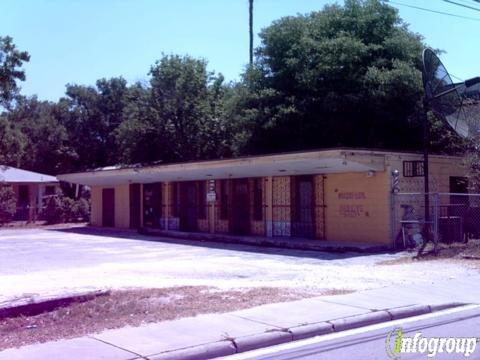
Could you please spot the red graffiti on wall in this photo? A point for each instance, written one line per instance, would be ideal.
(351, 211)
(352, 195)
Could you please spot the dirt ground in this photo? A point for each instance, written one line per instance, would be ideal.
(135, 307)
(462, 254)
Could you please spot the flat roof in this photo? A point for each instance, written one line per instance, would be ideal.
(14, 175)
(295, 163)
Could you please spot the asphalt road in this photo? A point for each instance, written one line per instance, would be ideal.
(370, 342)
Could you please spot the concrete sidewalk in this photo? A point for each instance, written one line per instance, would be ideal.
(223, 334)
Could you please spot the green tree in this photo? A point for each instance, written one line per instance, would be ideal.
(12, 142)
(178, 117)
(91, 116)
(8, 203)
(11, 61)
(343, 76)
(45, 147)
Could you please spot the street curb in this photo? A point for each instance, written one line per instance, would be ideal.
(275, 337)
(310, 330)
(357, 321)
(440, 307)
(200, 352)
(251, 342)
(408, 311)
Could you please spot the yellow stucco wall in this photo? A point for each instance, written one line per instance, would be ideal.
(96, 201)
(357, 208)
(122, 206)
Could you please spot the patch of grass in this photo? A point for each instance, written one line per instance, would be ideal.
(136, 307)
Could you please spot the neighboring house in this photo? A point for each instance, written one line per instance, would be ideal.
(30, 188)
(339, 195)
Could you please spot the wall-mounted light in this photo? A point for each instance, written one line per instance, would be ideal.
(370, 173)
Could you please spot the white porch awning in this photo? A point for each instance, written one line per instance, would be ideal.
(304, 163)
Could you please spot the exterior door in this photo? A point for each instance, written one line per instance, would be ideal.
(188, 206)
(303, 211)
(135, 206)
(240, 219)
(23, 203)
(108, 207)
(152, 205)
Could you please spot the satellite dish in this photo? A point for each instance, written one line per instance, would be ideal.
(457, 104)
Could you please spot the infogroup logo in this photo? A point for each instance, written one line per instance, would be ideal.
(397, 343)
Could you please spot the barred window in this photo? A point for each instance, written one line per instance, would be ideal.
(223, 200)
(202, 200)
(257, 199)
(413, 168)
(175, 199)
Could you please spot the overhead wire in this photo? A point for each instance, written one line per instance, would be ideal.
(462, 5)
(434, 11)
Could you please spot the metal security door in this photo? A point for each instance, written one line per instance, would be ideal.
(188, 206)
(303, 214)
(240, 208)
(135, 210)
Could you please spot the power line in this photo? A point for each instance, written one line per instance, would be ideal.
(434, 11)
(462, 5)
(469, 1)
(456, 77)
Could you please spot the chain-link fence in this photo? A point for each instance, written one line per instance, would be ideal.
(452, 217)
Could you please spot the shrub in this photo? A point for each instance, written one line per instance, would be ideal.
(80, 210)
(53, 212)
(8, 203)
(60, 208)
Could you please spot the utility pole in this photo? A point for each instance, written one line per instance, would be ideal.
(250, 28)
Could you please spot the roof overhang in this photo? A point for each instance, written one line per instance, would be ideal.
(13, 175)
(305, 163)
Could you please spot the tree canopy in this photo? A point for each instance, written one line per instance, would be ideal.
(179, 116)
(352, 71)
(11, 61)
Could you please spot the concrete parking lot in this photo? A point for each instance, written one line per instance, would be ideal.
(52, 262)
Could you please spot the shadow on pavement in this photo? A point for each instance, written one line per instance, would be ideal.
(260, 249)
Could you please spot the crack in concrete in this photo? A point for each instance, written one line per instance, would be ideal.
(137, 356)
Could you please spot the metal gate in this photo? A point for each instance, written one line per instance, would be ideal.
(298, 206)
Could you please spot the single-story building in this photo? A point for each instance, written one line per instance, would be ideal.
(337, 195)
(30, 188)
